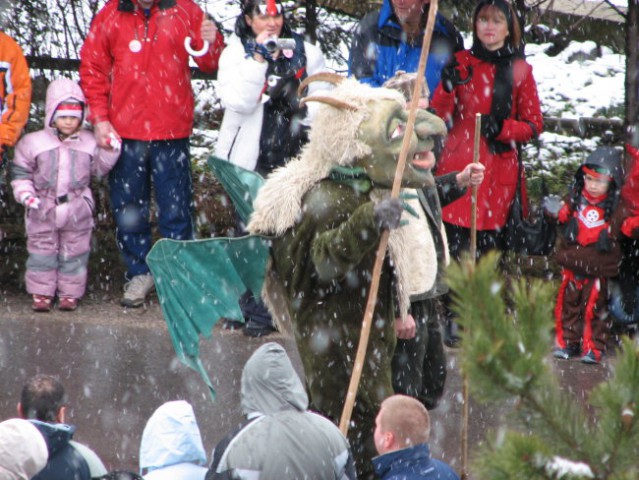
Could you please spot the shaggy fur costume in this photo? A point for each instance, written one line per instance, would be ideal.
(314, 219)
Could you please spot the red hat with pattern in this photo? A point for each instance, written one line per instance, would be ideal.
(69, 108)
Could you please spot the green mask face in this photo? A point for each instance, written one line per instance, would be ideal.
(384, 132)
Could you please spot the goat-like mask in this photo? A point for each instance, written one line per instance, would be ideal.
(384, 132)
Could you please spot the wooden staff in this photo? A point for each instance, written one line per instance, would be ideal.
(473, 203)
(367, 321)
(473, 256)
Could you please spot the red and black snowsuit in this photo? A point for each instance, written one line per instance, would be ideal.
(589, 255)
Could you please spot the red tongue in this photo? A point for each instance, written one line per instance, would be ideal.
(427, 160)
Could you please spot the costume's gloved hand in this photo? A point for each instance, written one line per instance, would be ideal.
(491, 126)
(630, 227)
(388, 213)
(451, 76)
(30, 201)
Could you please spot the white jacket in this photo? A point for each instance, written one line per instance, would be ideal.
(240, 82)
(171, 446)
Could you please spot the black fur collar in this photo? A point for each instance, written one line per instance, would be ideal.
(129, 6)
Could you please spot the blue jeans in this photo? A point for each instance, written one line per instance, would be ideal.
(167, 165)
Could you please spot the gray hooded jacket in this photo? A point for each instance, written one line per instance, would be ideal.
(282, 439)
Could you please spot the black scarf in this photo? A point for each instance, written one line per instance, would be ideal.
(502, 104)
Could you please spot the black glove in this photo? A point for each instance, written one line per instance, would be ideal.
(388, 213)
(451, 76)
(491, 126)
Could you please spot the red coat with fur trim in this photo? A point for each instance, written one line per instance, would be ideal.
(496, 193)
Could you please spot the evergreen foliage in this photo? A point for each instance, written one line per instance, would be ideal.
(506, 358)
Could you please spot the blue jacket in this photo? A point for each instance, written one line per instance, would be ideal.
(65, 462)
(414, 463)
(378, 51)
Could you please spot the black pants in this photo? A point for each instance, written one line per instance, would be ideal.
(419, 364)
(458, 245)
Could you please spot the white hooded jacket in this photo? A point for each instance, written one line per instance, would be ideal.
(284, 440)
(171, 446)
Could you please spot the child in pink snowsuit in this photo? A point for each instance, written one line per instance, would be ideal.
(51, 175)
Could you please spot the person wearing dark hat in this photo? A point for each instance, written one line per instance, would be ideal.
(589, 255)
(493, 79)
(264, 124)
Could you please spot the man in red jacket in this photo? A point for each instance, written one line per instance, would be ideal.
(135, 74)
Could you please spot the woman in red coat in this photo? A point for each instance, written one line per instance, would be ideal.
(493, 79)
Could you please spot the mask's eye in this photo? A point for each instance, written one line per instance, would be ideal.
(396, 128)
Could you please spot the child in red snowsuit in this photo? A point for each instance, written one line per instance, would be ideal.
(589, 256)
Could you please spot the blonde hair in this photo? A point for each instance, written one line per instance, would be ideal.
(407, 419)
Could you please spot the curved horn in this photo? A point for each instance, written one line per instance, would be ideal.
(333, 102)
(329, 77)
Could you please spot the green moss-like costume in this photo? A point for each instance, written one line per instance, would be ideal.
(325, 263)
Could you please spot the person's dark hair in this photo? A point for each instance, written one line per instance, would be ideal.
(249, 7)
(514, 28)
(42, 397)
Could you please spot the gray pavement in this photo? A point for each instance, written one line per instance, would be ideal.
(118, 365)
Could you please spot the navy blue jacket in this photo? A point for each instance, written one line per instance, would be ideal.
(414, 463)
(378, 51)
(65, 462)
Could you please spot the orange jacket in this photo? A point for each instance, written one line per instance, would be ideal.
(15, 90)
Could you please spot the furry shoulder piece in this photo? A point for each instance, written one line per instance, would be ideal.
(333, 140)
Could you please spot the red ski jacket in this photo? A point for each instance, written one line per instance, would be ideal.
(135, 71)
(496, 193)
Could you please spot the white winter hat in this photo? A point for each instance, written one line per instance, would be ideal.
(23, 450)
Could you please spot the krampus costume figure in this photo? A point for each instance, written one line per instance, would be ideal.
(325, 211)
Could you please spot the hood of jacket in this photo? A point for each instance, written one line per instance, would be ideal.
(605, 157)
(23, 450)
(270, 383)
(61, 90)
(57, 435)
(171, 436)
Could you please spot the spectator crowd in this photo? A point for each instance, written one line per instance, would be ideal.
(130, 118)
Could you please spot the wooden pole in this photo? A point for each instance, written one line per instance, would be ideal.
(473, 256)
(473, 204)
(367, 321)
